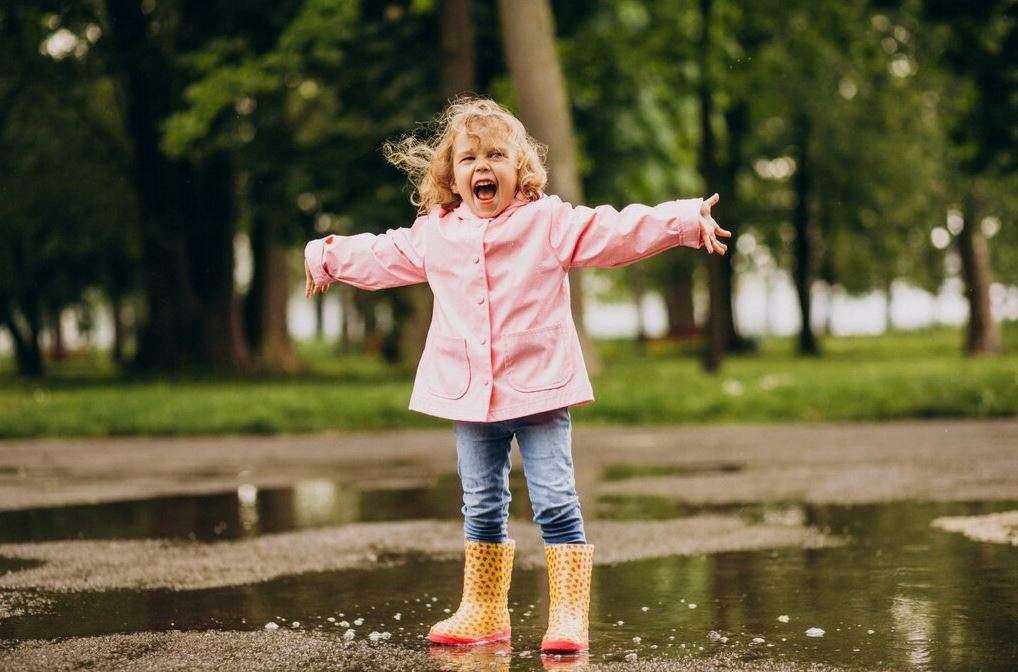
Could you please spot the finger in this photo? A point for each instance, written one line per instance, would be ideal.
(722, 247)
(717, 230)
(707, 243)
(712, 201)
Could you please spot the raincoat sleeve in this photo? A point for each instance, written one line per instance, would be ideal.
(604, 237)
(370, 261)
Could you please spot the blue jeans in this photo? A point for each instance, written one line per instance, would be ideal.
(482, 451)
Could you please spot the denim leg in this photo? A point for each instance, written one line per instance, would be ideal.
(482, 461)
(545, 440)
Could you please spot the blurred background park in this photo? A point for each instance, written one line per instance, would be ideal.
(163, 162)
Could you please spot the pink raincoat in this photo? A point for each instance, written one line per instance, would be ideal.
(502, 342)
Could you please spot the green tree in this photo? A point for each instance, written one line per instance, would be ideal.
(839, 113)
(65, 214)
(975, 45)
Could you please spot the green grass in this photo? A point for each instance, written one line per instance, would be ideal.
(899, 375)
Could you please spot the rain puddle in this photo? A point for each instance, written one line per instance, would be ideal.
(618, 472)
(901, 595)
(245, 512)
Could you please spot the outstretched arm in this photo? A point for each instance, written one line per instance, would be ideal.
(604, 237)
(366, 260)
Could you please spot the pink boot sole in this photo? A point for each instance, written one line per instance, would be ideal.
(562, 646)
(449, 640)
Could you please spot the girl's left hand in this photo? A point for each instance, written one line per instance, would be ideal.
(710, 230)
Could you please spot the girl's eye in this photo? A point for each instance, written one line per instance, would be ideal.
(497, 155)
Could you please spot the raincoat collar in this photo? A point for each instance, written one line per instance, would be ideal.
(465, 214)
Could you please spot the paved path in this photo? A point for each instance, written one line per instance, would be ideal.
(851, 463)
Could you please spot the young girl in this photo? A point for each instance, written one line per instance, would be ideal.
(502, 357)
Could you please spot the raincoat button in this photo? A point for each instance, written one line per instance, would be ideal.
(477, 260)
(487, 382)
(480, 300)
(483, 341)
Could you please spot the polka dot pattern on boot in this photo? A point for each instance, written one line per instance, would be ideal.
(483, 614)
(569, 570)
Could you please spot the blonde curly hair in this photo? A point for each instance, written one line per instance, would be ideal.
(429, 163)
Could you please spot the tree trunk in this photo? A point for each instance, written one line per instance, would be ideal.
(212, 207)
(269, 295)
(185, 215)
(366, 305)
(831, 294)
(737, 123)
(27, 352)
(528, 34)
(458, 64)
(889, 306)
(982, 336)
(638, 285)
(117, 310)
(58, 349)
(347, 313)
(277, 349)
(720, 306)
(678, 297)
(169, 333)
(803, 244)
(319, 304)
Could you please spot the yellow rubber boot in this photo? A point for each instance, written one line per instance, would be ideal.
(569, 569)
(483, 614)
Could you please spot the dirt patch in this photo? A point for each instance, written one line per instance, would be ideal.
(286, 650)
(995, 528)
(860, 464)
(181, 565)
(213, 651)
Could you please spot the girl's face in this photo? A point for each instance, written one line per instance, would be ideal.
(484, 172)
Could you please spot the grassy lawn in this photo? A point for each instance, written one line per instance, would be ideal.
(901, 375)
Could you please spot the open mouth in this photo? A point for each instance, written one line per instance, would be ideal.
(485, 190)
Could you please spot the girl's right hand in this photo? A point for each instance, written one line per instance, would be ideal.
(310, 288)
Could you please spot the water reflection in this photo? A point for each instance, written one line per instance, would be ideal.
(913, 620)
(495, 656)
(247, 511)
(578, 661)
(902, 595)
(881, 604)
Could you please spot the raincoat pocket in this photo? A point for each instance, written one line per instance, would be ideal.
(538, 359)
(447, 372)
